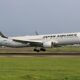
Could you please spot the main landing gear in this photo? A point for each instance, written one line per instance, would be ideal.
(39, 49)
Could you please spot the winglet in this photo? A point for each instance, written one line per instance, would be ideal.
(36, 33)
(2, 35)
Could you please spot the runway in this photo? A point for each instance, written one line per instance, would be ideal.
(30, 52)
(41, 53)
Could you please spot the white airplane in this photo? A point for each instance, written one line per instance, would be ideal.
(40, 42)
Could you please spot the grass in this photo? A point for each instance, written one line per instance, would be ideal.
(64, 49)
(40, 68)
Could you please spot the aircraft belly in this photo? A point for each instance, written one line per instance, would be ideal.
(10, 43)
(16, 44)
(68, 41)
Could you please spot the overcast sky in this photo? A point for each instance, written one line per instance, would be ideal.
(21, 17)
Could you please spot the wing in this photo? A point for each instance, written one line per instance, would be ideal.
(31, 43)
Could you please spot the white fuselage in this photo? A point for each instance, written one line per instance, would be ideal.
(45, 40)
(59, 39)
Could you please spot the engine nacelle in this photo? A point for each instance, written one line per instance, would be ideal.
(48, 44)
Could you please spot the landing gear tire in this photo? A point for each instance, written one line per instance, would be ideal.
(42, 49)
(37, 50)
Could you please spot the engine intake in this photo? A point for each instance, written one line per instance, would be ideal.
(48, 44)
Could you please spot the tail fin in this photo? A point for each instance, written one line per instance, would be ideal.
(2, 35)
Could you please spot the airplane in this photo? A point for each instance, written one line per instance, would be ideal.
(40, 42)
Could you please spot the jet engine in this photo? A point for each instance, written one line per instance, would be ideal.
(48, 44)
